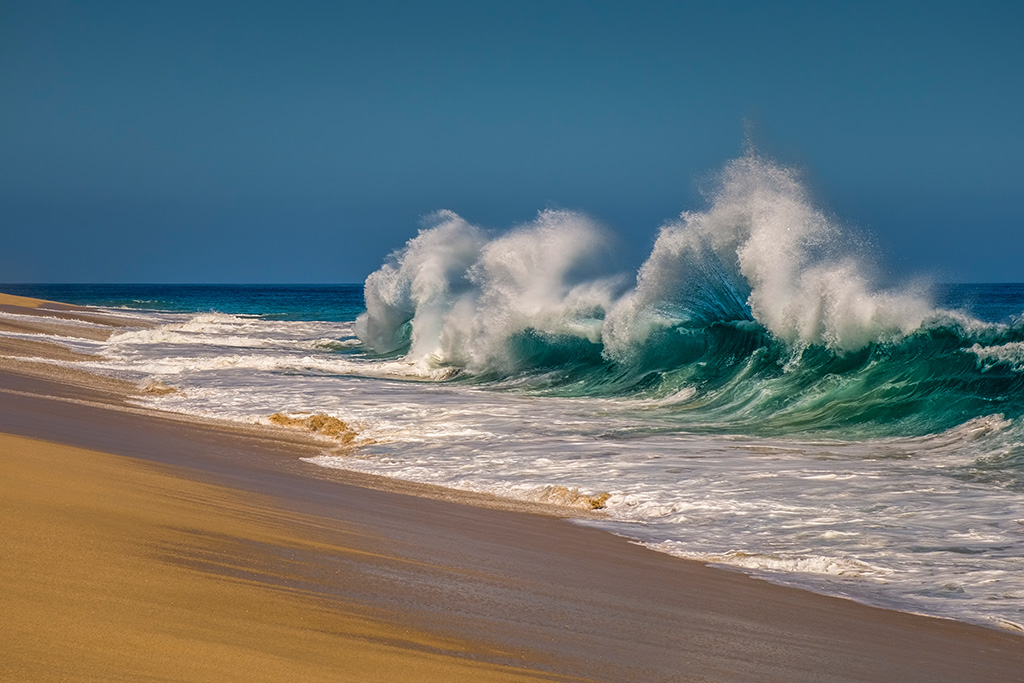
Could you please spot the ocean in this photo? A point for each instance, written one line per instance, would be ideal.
(750, 397)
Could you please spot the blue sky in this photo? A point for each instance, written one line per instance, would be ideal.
(301, 142)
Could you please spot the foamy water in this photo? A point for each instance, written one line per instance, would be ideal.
(897, 522)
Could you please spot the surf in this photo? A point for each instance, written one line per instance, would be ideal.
(758, 314)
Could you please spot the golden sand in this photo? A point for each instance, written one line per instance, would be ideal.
(319, 423)
(22, 301)
(118, 570)
(571, 497)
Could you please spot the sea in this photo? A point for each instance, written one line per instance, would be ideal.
(752, 396)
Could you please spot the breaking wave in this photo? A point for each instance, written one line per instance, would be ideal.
(757, 314)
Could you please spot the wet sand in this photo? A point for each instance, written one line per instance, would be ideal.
(141, 545)
(117, 570)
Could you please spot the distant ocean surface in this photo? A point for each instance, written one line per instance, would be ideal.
(747, 398)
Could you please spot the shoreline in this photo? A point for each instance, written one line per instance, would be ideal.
(556, 599)
(120, 572)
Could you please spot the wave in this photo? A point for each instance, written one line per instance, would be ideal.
(758, 314)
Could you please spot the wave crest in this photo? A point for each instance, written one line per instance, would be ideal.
(453, 297)
(763, 252)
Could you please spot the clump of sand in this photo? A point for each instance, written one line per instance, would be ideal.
(320, 423)
(156, 388)
(571, 497)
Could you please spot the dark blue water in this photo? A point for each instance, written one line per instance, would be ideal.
(272, 302)
(995, 302)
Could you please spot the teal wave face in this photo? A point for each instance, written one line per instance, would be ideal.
(928, 382)
(736, 377)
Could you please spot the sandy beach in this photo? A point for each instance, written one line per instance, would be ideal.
(141, 545)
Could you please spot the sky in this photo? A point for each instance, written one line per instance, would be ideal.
(301, 142)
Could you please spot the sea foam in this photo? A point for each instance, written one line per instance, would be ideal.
(761, 252)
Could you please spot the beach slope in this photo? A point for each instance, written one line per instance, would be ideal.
(144, 546)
